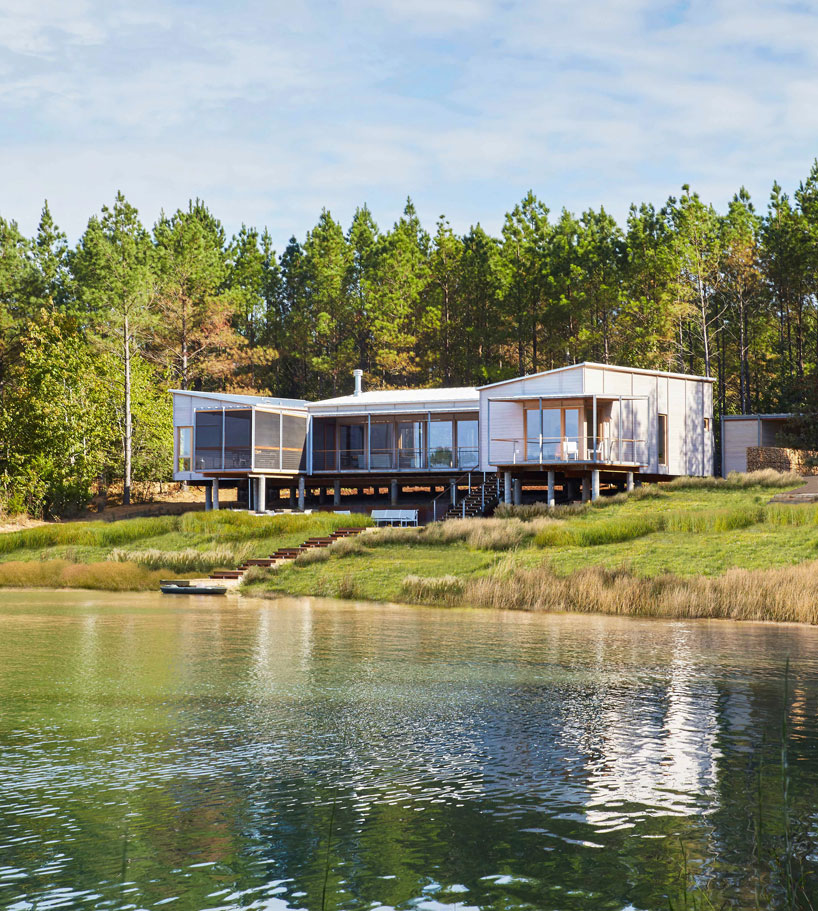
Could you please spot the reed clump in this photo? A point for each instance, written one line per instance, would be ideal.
(103, 576)
(785, 594)
(432, 589)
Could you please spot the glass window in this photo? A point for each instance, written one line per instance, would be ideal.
(441, 444)
(467, 443)
(662, 441)
(572, 441)
(184, 448)
(410, 444)
(381, 440)
(351, 445)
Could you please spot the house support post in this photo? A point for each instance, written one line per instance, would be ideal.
(518, 491)
(336, 493)
(322, 498)
(586, 488)
(629, 483)
(301, 493)
(595, 484)
(215, 493)
(453, 491)
(551, 497)
(507, 487)
(393, 492)
(208, 498)
(261, 494)
(292, 498)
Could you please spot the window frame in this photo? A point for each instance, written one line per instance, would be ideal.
(661, 440)
(179, 456)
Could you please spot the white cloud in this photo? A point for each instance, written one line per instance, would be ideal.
(271, 111)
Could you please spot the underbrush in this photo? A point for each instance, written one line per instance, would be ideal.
(115, 577)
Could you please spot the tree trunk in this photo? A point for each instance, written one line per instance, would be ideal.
(126, 482)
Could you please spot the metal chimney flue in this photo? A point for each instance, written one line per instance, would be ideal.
(358, 374)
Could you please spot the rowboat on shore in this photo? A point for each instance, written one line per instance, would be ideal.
(186, 587)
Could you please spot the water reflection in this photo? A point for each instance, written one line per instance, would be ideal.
(194, 754)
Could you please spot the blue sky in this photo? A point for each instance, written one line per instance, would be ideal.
(271, 111)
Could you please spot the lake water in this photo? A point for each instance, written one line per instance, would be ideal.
(305, 754)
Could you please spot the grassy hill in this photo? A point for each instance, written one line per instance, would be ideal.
(693, 547)
(132, 554)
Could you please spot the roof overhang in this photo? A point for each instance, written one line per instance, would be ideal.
(565, 396)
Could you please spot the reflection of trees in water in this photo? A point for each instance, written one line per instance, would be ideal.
(579, 764)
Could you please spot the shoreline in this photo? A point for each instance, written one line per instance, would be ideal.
(276, 595)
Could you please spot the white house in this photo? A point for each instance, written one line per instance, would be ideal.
(574, 426)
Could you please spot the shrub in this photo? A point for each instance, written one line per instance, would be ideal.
(432, 590)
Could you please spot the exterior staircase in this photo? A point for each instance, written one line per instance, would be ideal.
(286, 553)
(479, 501)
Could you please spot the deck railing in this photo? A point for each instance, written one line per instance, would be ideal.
(533, 451)
(437, 459)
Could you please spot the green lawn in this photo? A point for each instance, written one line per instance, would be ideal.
(131, 552)
(375, 570)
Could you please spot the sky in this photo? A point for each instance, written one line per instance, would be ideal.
(271, 111)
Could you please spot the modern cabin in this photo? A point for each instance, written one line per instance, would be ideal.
(572, 428)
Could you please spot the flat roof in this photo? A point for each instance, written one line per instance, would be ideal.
(757, 417)
(241, 398)
(402, 397)
(616, 367)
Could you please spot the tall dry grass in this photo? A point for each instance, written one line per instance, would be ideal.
(187, 560)
(477, 533)
(432, 589)
(766, 477)
(115, 577)
(783, 594)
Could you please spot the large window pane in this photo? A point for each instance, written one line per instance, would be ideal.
(351, 445)
(382, 443)
(185, 448)
(441, 444)
(410, 444)
(467, 443)
(572, 444)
